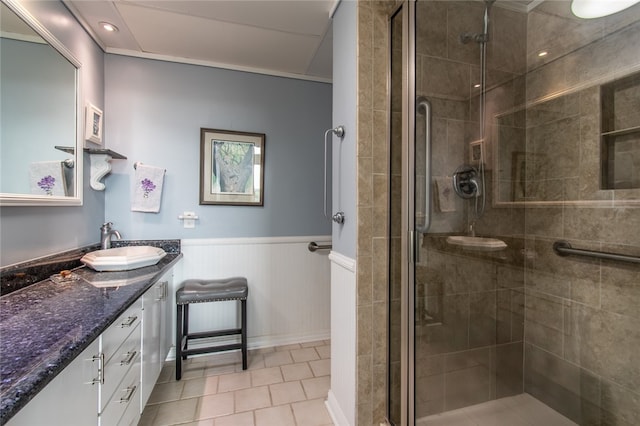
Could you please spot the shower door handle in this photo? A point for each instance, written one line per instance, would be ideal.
(424, 103)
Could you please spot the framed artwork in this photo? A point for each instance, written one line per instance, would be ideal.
(93, 124)
(231, 167)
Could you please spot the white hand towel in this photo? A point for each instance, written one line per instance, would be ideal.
(445, 196)
(147, 189)
(47, 178)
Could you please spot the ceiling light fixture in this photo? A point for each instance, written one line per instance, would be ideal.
(108, 27)
(543, 53)
(589, 9)
(476, 85)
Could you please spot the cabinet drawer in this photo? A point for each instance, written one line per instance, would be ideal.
(131, 416)
(121, 328)
(124, 358)
(127, 394)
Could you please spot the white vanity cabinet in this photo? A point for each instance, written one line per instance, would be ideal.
(71, 398)
(120, 347)
(109, 383)
(155, 338)
(99, 386)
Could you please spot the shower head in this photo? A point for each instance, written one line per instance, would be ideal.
(483, 37)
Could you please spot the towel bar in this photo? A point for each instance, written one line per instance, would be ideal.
(313, 246)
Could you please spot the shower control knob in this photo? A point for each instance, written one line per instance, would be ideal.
(338, 217)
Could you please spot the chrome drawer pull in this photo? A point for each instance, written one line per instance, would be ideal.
(130, 391)
(129, 357)
(100, 378)
(129, 322)
(163, 291)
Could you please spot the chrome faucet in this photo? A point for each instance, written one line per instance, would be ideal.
(105, 235)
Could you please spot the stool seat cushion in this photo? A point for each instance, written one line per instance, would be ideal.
(198, 291)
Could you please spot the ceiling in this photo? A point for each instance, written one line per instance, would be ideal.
(287, 38)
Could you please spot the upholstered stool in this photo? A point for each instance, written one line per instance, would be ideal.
(203, 291)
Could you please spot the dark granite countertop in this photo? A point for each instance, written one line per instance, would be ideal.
(45, 325)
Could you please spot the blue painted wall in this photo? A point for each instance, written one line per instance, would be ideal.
(153, 114)
(344, 113)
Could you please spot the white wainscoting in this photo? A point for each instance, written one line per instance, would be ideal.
(289, 287)
(341, 401)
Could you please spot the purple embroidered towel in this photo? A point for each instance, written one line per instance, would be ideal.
(147, 189)
(47, 178)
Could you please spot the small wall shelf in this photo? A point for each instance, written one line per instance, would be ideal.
(620, 137)
(68, 149)
(100, 160)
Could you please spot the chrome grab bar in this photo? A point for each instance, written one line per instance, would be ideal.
(339, 132)
(424, 103)
(313, 246)
(563, 248)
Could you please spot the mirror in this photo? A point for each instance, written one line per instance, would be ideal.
(40, 137)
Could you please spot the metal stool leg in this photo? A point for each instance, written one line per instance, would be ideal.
(243, 327)
(179, 321)
(185, 329)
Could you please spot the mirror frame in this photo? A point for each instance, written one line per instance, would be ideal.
(9, 199)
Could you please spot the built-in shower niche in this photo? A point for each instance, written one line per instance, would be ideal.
(577, 146)
(620, 155)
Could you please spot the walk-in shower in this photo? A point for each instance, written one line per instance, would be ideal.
(516, 122)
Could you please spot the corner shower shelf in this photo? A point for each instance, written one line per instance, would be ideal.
(620, 137)
(100, 160)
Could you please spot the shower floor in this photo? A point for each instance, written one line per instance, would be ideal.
(519, 410)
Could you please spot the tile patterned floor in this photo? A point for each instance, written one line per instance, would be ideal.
(283, 386)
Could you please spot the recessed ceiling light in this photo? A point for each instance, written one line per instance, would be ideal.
(589, 9)
(476, 85)
(108, 27)
(543, 53)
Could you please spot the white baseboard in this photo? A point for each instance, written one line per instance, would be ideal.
(337, 416)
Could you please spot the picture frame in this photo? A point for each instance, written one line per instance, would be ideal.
(231, 167)
(93, 124)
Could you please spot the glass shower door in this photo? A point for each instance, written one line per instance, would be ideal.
(544, 108)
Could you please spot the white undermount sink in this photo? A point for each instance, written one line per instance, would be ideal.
(123, 258)
(477, 243)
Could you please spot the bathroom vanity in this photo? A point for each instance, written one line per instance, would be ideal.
(87, 351)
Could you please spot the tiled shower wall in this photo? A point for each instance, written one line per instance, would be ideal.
(373, 199)
(581, 334)
(580, 316)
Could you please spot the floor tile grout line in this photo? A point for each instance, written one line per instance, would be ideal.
(205, 365)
